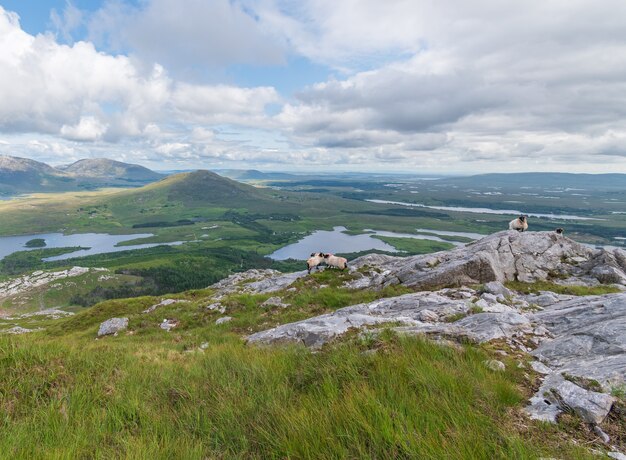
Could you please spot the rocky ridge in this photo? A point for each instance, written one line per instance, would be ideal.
(39, 278)
(460, 295)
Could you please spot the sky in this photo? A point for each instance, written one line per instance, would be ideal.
(416, 86)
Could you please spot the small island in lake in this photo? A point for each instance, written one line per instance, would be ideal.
(35, 243)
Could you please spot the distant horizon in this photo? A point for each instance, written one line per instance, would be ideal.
(426, 174)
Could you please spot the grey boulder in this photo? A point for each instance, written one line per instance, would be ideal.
(557, 394)
(112, 326)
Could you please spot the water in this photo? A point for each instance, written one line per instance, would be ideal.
(485, 210)
(98, 243)
(413, 236)
(336, 241)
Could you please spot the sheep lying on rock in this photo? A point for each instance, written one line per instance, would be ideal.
(315, 260)
(337, 262)
(520, 224)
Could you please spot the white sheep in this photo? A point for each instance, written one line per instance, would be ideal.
(315, 260)
(520, 224)
(337, 262)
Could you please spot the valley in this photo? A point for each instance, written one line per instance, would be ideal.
(190, 229)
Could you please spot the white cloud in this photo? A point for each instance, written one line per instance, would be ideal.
(87, 129)
(478, 84)
(221, 103)
(82, 94)
(187, 34)
(486, 81)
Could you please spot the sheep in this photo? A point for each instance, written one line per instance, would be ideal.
(559, 231)
(337, 262)
(520, 224)
(314, 261)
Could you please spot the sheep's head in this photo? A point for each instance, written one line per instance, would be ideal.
(522, 218)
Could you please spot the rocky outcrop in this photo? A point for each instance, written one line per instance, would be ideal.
(256, 282)
(168, 324)
(50, 313)
(112, 326)
(40, 278)
(17, 330)
(556, 395)
(503, 256)
(420, 312)
(572, 337)
(164, 303)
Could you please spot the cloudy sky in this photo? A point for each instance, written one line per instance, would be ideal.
(355, 85)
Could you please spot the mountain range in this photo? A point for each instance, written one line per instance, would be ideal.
(22, 175)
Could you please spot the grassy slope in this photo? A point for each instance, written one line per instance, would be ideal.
(153, 394)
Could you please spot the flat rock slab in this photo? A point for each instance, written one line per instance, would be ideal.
(589, 337)
(419, 312)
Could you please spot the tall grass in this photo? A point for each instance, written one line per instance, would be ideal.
(123, 397)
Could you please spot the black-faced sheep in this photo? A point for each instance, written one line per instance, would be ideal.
(337, 262)
(315, 260)
(559, 231)
(520, 224)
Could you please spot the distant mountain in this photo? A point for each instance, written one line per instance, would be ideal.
(22, 175)
(253, 174)
(106, 169)
(541, 180)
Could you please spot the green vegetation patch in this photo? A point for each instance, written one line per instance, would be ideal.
(36, 243)
(415, 246)
(26, 261)
(536, 287)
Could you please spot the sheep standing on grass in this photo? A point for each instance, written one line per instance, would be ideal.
(520, 224)
(337, 262)
(314, 261)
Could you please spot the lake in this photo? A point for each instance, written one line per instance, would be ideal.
(512, 212)
(330, 241)
(98, 243)
(336, 241)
